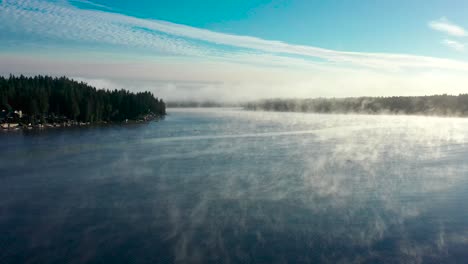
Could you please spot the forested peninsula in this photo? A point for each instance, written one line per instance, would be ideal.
(44, 101)
(441, 105)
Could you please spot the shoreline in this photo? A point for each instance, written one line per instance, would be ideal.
(19, 127)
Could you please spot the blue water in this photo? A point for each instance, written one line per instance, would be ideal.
(232, 186)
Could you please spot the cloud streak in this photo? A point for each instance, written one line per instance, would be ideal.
(458, 46)
(450, 29)
(447, 27)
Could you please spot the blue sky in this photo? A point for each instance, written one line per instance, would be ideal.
(376, 26)
(237, 50)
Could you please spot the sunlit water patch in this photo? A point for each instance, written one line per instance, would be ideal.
(230, 186)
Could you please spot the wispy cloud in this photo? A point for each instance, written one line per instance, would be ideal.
(451, 29)
(86, 2)
(444, 25)
(65, 23)
(215, 63)
(458, 46)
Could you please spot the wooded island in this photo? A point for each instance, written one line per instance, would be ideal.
(40, 101)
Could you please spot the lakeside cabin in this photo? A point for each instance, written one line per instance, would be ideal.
(9, 120)
(10, 125)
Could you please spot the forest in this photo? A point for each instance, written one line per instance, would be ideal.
(444, 105)
(45, 99)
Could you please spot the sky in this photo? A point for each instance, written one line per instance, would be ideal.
(236, 50)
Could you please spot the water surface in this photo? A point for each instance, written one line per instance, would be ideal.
(232, 186)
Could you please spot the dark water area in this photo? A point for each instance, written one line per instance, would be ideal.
(232, 186)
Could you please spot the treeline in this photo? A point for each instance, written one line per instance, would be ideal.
(42, 97)
(446, 105)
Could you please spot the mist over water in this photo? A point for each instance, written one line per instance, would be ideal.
(230, 186)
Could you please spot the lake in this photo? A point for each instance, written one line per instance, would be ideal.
(233, 186)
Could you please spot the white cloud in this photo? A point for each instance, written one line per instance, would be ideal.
(86, 2)
(448, 27)
(458, 46)
(177, 61)
(61, 22)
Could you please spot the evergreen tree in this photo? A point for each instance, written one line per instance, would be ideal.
(44, 96)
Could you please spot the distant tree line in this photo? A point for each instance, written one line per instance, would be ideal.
(43, 97)
(446, 105)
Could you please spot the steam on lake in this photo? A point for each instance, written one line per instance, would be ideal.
(226, 185)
